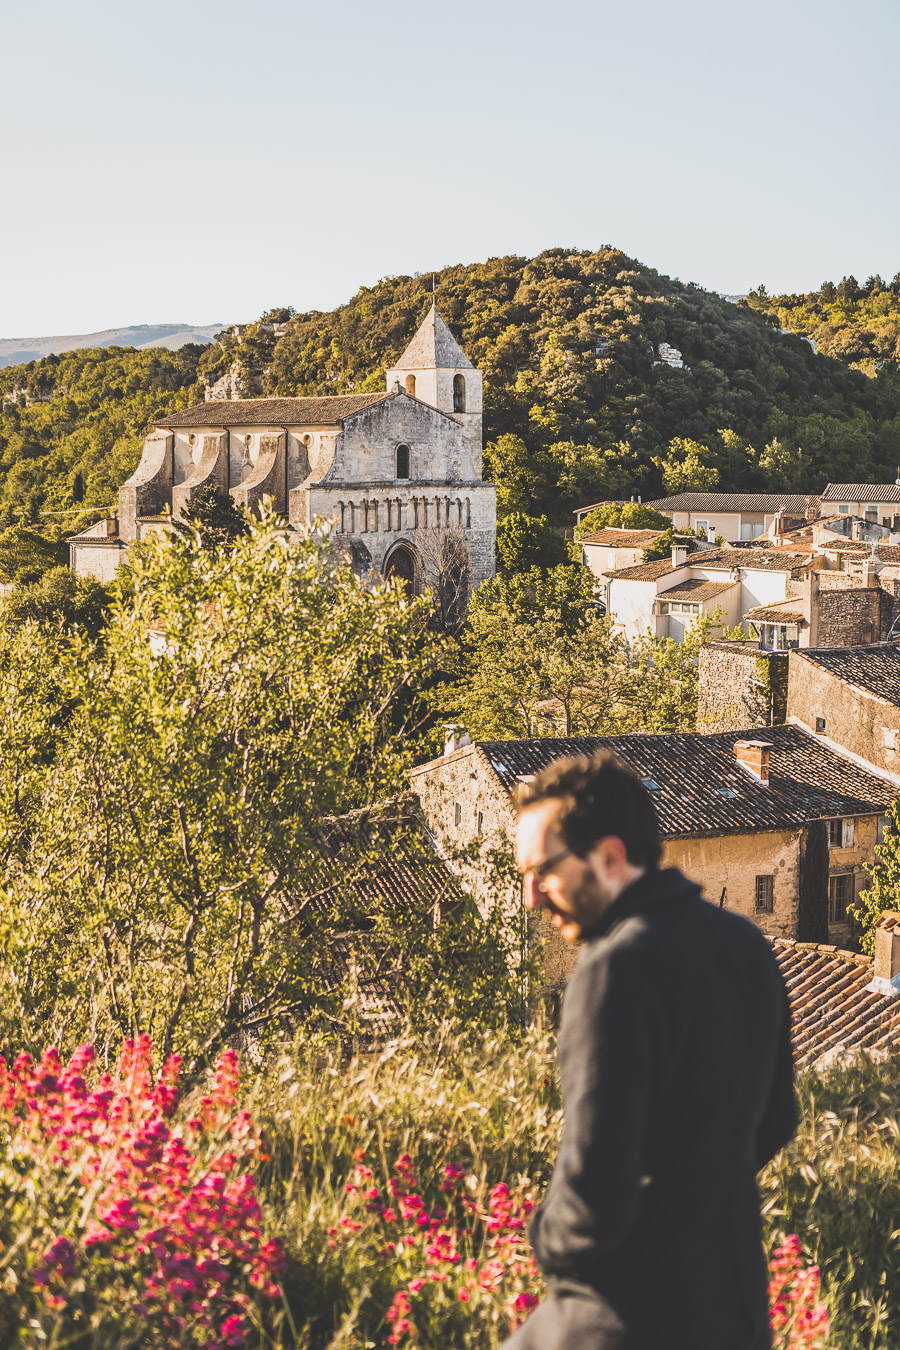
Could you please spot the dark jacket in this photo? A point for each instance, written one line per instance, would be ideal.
(675, 1061)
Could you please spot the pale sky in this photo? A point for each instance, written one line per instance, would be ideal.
(200, 161)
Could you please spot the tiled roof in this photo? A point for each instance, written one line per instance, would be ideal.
(886, 552)
(772, 614)
(433, 345)
(648, 571)
(767, 502)
(762, 560)
(702, 790)
(861, 492)
(832, 1012)
(612, 538)
(274, 412)
(875, 668)
(379, 862)
(696, 589)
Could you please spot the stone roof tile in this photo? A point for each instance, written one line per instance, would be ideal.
(433, 346)
(276, 412)
(874, 668)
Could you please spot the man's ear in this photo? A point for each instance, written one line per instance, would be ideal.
(613, 852)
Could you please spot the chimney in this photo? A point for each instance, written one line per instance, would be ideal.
(455, 737)
(811, 513)
(396, 388)
(679, 555)
(521, 785)
(754, 755)
(886, 972)
(870, 572)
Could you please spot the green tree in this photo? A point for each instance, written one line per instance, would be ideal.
(25, 555)
(524, 542)
(884, 891)
(176, 878)
(540, 660)
(214, 516)
(663, 688)
(522, 476)
(686, 467)
(812, 907)
(60, 599)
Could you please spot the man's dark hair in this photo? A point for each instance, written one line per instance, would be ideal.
(598, 795)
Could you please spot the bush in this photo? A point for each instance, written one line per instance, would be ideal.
(128, 1215)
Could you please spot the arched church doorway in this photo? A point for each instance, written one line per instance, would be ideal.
(402, 564)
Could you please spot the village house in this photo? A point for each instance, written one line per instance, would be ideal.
(848, 697)
(611, 550)
(875, 502)
(394, 471)
(734, 812)
(663, 598)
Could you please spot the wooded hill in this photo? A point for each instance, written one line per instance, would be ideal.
(856, 324)
(578, 405)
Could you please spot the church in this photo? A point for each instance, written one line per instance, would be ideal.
(395, 472)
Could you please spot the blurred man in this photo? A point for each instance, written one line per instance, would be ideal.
(676, 1070)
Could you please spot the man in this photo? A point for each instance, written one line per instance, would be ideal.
(675, 1062)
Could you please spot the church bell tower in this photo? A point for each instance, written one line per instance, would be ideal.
(435, 369)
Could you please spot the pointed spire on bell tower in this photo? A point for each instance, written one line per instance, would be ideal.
(434, 369)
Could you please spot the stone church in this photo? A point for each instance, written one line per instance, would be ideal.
(394, 471)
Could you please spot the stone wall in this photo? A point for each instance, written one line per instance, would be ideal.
(741, 687)
(854, 719)
(732, 862)
(850, 617)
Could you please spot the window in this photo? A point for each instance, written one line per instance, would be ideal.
(703, 527)
(411, 385)
(650, 784)
(880, 829)
(765, 894)
(840, 893)
(820, 725)
(459, 394)
(457, 813)
(840, 833)
(746, 531)
(402, 461)
(843, 510)
(677, 607)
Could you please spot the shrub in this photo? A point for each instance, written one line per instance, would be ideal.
(120, 1219)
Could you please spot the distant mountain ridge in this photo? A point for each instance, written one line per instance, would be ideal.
(17, 351)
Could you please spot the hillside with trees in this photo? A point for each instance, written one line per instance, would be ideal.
(578, 403)
(857, 324)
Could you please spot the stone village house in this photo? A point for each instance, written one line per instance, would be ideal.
(392, 470)
(734, 811)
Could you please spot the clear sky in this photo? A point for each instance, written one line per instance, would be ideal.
(201, 160)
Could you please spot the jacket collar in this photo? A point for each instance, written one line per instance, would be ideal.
(658, 887)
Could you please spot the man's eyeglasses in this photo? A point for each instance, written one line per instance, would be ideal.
(543, 869)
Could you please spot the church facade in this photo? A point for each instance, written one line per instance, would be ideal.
(398, 473)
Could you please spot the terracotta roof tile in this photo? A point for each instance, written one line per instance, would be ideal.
(613, 538)
(648, 571)
(862, 492)
(833, 1013)
(696, 589)
(767, 503)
